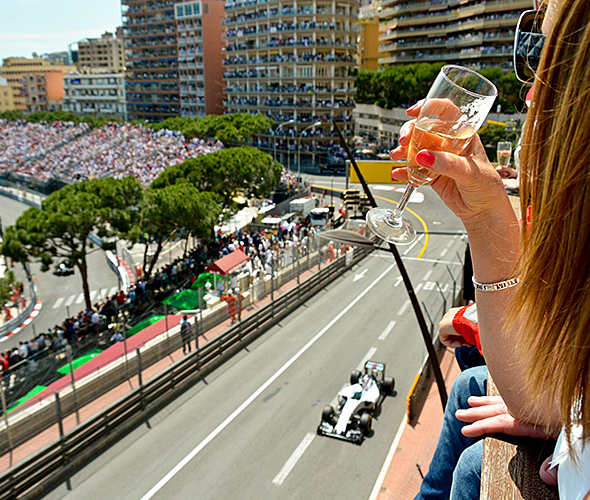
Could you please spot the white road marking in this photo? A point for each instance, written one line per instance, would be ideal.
(427, 275)
(80, 298)
(387, 330)
(418, 288)
(398, 280)
(293, 459)
(70, 300)
(113, 291)
(388, 459)
(437, 261)
(444, 252)
(366, 358)
(449, 243)
(416, 241)
(92, 295)
(178, 467)
(103, 293)
(403, 308)
(58, 302)
(360, 275)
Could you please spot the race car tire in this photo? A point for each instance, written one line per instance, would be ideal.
(365, 423)
(355, 376)
(327, 414)
(388, 385)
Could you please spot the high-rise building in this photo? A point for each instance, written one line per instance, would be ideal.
(6, 101)
(368, 42)
(293, 60)
(167, 40)
(475, 33)
(95, 94)
(37, 84)
(105, 53)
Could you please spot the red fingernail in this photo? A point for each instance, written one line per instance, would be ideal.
(412, 107)
(402, 137)
(425, 158)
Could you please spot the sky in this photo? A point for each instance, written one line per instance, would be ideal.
(43, 26)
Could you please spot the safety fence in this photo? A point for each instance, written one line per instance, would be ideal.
(75, 445)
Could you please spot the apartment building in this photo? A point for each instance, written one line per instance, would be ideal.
(295, 61)
(474, 33)
(95, 94)
(173, 57)
(6, 101)
(105, 53)
(37, 84)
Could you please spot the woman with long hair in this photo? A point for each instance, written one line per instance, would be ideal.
(533, 281)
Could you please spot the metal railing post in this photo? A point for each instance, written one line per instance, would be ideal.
(69, 355)
(5, 411)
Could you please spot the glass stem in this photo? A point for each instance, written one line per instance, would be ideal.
(396, 215)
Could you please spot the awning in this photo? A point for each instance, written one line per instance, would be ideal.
(228, 263)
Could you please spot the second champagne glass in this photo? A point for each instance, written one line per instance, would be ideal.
(454, 109)
(504, 152)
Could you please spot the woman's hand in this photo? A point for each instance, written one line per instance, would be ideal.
(489, 415)
(446, 331)
(467, 183)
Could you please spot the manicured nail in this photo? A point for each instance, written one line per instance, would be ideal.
(402, 137)
(411, 108)
(425, 158)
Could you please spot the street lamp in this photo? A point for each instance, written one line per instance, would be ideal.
(275, 137)
(313, 125)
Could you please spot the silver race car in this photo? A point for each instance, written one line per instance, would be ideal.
(351, 419)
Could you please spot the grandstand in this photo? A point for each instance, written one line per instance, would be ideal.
(72, 152)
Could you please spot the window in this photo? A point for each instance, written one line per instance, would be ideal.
(188, 9)
(179, 11)
(206, 8)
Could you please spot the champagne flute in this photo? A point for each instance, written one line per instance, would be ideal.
(454, 109)
(503, 152)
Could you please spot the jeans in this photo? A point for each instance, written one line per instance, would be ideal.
(456, 465)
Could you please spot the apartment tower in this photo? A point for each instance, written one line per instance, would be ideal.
(294, 61)
(169, 73)
(474, 33)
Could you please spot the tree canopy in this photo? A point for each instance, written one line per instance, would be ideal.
(53, 116)
(232, 129)
(59, 230)
(175, 209)
(227, 173)
(402, 86)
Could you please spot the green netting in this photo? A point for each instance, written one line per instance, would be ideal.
(202, 279)
(33, 392)
(64, 370)
(144, 323)
(187, 299)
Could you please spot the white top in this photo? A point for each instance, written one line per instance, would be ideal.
(573, 478)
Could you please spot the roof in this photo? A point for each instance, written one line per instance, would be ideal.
(226, 264)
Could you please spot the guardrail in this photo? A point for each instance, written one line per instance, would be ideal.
(46, 469)
(18, 320)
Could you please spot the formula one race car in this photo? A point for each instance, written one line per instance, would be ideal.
(351, 419)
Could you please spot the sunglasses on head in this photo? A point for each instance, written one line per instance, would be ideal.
(528, 43)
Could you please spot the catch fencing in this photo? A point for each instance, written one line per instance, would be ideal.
(70, 444)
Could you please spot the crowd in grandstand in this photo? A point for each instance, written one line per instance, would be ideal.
(74, 153)
(21, 141)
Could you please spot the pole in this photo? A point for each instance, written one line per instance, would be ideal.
(138, 356)
(69, 355)
(440, 382)
(124, 328)
(5, 411)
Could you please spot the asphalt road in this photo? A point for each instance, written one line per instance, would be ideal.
(57, 293)
(249, 430)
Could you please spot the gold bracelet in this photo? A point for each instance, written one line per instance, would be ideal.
(495, 287)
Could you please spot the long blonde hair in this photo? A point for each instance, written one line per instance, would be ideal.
(553, 303)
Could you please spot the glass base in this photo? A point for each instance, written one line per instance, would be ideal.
(379, 220)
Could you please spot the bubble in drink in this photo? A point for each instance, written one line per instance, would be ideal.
(435, 135)
(504, 157)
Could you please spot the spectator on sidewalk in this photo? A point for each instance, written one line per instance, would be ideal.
(185, 334)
